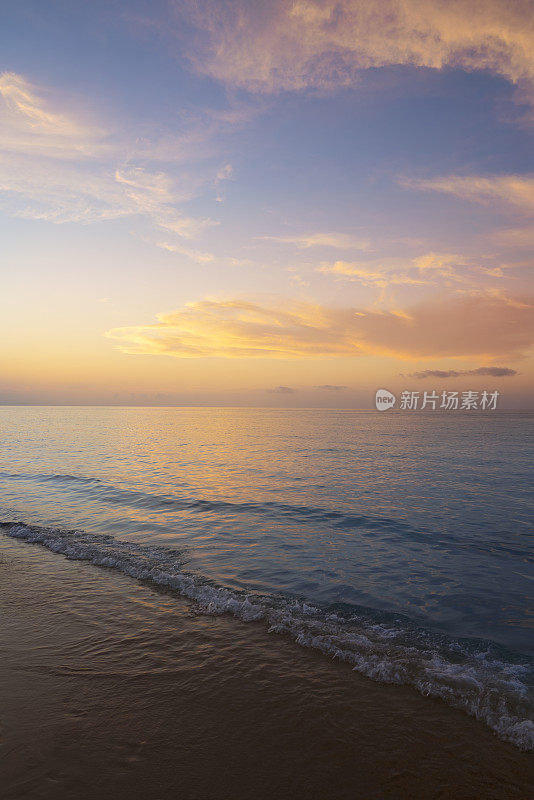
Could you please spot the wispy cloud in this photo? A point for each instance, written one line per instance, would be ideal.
(199, 256)
(495, 372)
(330, 387)
(281, 390)
(368, 274)
(63, 192)
(338, 241)
(56, 168)
(515, 191)
(520, 237)
(31, 124)
(483, 325)
(444, 263)
(224, 173)
(433, 268)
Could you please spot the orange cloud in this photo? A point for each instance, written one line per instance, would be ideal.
(427, 269)
(325, 43)
(470, 325)
(338, 241)
(516, 191)
(368, 275)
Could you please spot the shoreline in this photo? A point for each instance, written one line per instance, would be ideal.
(117, 688)
(468, 675)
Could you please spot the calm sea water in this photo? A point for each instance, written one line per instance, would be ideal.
(398, 542)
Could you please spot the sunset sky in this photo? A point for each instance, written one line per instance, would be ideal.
(265, 203)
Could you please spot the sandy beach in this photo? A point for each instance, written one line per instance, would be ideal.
(114, 688)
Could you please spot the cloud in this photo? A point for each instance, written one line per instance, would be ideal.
(224, 173)
(340, 241)
(484, 325)
(369, 275)
(65, 192)
(427, 269)
(57, 191)
(521, 237)
(55, 168)
(154, 196)
(29, 123)
(281, 390)
(199, 256)
(444, 263)
(297, 279)
(329, 387)
(186, 227)
(495, 372)
(516, 191)
(324, 44)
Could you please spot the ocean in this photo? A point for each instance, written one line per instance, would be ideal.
(397, 543)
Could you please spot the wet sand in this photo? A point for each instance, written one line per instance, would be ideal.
(115, 689)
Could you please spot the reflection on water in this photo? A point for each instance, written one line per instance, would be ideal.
(427, 515)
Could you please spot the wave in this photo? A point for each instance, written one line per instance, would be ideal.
(25, 476)
(160, 502)
(364, 524)
(470, 675)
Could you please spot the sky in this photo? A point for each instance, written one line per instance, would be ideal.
(234, 202)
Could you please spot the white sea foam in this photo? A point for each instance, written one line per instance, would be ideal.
(478, 681)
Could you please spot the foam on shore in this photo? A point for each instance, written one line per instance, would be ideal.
(472, 676)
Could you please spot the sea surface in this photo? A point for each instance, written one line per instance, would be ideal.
(397, 542)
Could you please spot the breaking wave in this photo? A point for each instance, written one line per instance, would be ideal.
(470, 675)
